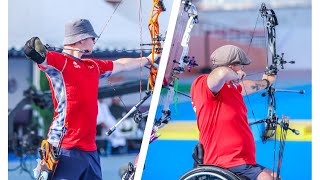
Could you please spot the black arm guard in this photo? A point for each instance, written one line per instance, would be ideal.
(35, 50)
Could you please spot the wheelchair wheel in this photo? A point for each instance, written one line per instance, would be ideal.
(209, 173)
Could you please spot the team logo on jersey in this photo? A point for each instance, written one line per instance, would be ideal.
(75, 64)
(90, 67)
(193, 107)
(232, 84)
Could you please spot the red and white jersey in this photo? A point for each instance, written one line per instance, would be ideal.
(74, 85)
(223, 124)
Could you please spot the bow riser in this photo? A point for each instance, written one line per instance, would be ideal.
(156, 38)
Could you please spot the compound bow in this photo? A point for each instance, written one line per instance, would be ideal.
(178, 67)
(272, 121)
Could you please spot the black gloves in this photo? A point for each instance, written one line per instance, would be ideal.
(35, 50)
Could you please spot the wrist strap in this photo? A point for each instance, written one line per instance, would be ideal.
(268, 83)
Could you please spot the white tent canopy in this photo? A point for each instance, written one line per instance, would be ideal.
(46, 19)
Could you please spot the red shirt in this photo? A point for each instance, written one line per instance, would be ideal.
(223, 124)
(74, 86)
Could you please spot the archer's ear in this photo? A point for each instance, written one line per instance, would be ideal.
(81, 41)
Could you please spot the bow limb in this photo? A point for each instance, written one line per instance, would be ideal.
(193, 19)
(156, 39)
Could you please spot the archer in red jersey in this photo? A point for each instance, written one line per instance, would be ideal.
(222, 114)
(74, 85)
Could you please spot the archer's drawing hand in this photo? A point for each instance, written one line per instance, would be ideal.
(35, 50)
(241, 75)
